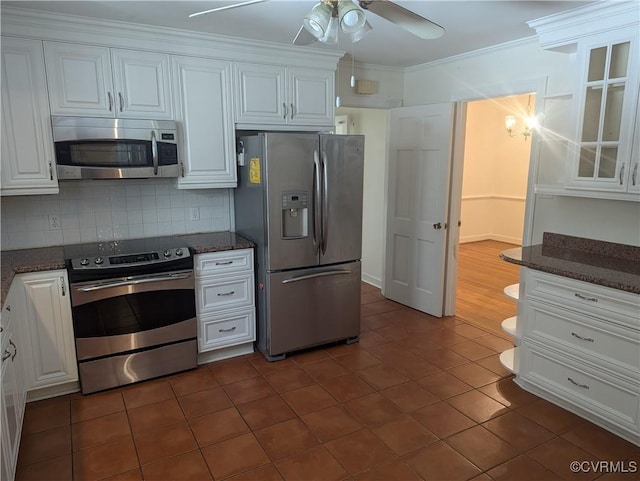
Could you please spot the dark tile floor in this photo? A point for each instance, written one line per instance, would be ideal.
(418, 398)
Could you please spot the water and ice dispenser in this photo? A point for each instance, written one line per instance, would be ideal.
(295, 215)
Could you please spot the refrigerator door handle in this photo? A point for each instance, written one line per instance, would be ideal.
(325, 204)
(319, 274)
(316, 201)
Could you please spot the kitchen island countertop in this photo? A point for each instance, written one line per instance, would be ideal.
(51, 258)
(598, 262)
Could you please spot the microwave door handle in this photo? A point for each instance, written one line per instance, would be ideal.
(154, 152)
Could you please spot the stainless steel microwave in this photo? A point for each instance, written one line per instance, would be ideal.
(102, 148)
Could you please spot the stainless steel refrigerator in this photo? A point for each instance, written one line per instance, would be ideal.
(299, 198)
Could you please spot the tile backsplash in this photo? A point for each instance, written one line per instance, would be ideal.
(94, 211)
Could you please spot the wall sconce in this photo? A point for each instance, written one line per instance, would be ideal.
(530, 123)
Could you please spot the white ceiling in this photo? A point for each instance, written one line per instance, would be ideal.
(469, 25)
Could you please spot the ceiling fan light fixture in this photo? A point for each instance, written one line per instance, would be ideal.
(317, 20)
(331, 35)
(361, 32)
(351, 16)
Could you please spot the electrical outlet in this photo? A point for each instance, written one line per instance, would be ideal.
(54, 222)
(194, 213)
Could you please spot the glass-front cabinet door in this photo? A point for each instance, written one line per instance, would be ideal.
(606, 119)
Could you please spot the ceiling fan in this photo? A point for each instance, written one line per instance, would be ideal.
(327, 17)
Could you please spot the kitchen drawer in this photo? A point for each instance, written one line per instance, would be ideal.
(610, 304)
(226, 328)
(612, 398)
(214, 263)
(224, 292)
(588, 335)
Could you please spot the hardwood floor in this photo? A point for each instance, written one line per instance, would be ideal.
(482, 276)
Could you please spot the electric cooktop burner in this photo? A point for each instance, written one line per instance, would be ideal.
(124, 254)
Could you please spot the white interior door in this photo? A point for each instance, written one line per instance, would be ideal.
(419, 165)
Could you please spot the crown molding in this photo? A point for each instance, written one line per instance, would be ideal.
(21, 22)
(563, 30)
(473, 53)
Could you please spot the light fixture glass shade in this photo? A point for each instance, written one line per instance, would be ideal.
(510, 122)
(331, 35)
(351, 16)
(317, 20)
(361, 32)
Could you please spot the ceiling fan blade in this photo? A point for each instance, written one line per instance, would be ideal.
(303, 37)
(403, 18)
(226, 7)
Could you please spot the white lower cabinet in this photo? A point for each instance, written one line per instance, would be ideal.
(580, 349)
(225, 303)
(50, 351)
(13, 387)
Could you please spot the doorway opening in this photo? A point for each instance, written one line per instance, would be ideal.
(492, 207)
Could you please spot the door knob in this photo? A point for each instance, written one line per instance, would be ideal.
(437, 226)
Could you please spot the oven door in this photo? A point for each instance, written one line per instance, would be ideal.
(132, 313)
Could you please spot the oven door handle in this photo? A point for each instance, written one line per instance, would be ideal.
(130, 282)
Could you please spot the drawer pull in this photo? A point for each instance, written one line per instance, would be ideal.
(224, 263)
(583, 386)
(227, 330)
(6, 355)
(230, 293)
(585, 298)
(578, 336)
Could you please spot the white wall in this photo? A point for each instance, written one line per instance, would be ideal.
(390, 82)
(477, 75)
(92, 211)
(372, 123)
(494, 183)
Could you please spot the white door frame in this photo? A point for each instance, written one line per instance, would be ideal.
(505, 89)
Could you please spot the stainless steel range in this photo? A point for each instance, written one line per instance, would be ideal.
(133, 305)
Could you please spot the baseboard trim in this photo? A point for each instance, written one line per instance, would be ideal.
(374, 281)
(483, 237)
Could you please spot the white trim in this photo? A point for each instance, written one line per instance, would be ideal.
(563, 30)
(90, 31)
(494, 237)
(374, 281)
(472, 54)
(494, 197)
(546, 190)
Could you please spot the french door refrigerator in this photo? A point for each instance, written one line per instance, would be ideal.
(299, 198)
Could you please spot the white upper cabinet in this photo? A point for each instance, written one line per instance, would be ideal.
(608, 100)
(276, 95)
(592, 148)
(27, 146)
(203, 100)
(101, 82)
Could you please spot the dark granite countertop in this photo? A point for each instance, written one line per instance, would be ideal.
(598, 262)
(51, 258)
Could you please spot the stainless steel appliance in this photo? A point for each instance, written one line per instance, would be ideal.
(133, 309)
(101, 148)
(299, 198)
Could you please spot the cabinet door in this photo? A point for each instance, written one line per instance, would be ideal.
(203, 102)
(13, 390)
(633, 184)
(311, 97)
(27, 146)
(260, 94)
(606, 118)
(142, 85)
(79, 80)
(51, 351)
